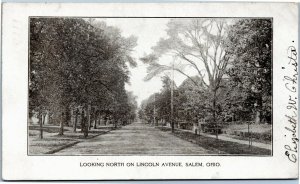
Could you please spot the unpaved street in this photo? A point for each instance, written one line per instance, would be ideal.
(136, 138)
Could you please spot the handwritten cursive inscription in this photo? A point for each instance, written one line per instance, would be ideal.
(291, 116)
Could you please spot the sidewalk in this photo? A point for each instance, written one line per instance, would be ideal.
(230, 139)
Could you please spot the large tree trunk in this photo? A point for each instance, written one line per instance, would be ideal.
(115, 123)
(172, 111)
(100, 120)
(68, 117)
(82, 121)
(31, 115)
(61, 130)
(75, 122)
(41, 126)
(258, 110)
(89, 117)
(214, 113)
(43, 118)
(87, 123)
(49, 118)
(95, 120)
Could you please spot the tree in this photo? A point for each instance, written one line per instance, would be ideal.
(131, 107)
(196, 43)
(249, 46)
(193, 101)
(146, 111)
(76, 63)
(54, 63)
(158, 106)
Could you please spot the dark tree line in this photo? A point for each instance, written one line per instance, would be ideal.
(249, 47)
(233, 64)
(79, 66)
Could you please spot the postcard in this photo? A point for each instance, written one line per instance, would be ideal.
(131, 91)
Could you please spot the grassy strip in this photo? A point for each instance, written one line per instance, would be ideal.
(53, 142)
(260, 140)
(222, 146)
(62, 147)
(74, 143)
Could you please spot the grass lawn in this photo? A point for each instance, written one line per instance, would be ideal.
(53, 142)
(260, 132)
(43, 146)
(222, 147)
(259, 128)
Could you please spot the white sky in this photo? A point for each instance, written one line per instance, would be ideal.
(148, 31)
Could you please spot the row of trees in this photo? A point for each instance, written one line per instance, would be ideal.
(80, 66)
(232, 61)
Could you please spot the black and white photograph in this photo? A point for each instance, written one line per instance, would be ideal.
(150, 91)
(150, 86)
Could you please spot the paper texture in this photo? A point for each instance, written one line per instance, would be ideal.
(114, 91)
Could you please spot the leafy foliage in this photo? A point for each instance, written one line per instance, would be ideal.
(79, 63)
(248, 45)
(233, 64)
(197, 44)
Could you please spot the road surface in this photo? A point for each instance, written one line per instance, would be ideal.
(135, 139)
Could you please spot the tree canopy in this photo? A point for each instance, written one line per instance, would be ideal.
(78, 62)
(232, 59)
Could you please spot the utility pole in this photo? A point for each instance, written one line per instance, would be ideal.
(154, 112)
(172, 101)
